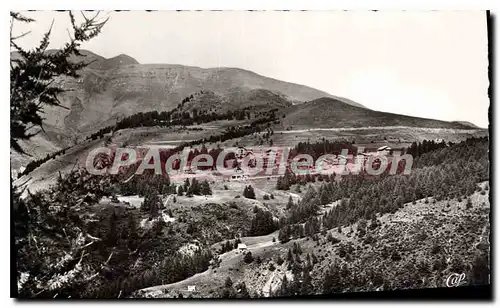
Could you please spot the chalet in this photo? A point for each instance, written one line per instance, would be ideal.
(384, 150)
(242, 247)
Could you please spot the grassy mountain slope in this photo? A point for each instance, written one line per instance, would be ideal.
(327, 112)
(418, 246)
(467, 123)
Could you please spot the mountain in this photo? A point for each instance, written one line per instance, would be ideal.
(332, 113)
(110, 89)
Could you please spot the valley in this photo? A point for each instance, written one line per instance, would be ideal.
(210, 236)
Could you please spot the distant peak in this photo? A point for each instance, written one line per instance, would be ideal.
(125, 58)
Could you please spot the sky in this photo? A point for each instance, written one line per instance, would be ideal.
(431, 64)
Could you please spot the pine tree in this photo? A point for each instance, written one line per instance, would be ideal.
(290, 203)
(205, 188)
(306, 287)
(180, 191)
(248, 257)
(33, 72)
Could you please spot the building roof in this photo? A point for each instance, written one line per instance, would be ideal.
(242, 246)
(382, 148)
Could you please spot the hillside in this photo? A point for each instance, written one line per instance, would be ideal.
(331, 113)
(467, 123)
(418, 246)
(236, 98)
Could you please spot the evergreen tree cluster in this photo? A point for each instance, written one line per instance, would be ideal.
(229, 245)
(447, 173)
(146, 184)
(80, 244)
(196, 187)
(323, 147)
(32, 165)
(416, 149)
(301, 284)
(178, 118)
(262, 223)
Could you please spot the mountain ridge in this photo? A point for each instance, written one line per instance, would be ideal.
(331, 113)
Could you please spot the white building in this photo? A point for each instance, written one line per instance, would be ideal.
(242, 246)
(191, 288)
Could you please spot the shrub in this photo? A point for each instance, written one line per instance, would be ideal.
(272, 267)
(248, 192)
(457, 265)
(369, 240)
(395, 256)
(248, 257)
(228, 283)
(279, 260)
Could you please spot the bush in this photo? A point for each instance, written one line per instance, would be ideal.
(279, 260)
(228, 283)
(395, 256)
(248, 257)
(248, 192)
(272, 268)
(266, 197)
